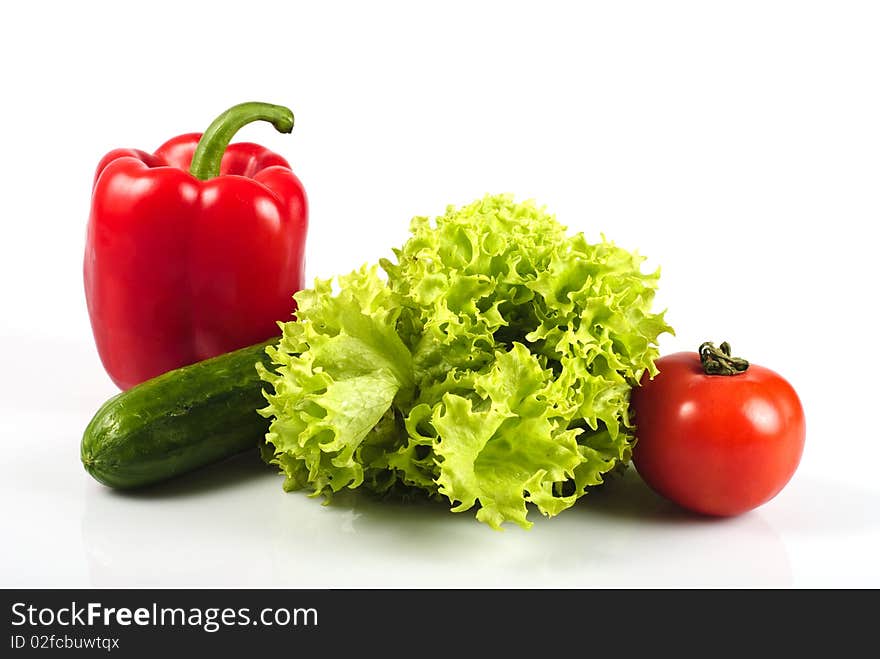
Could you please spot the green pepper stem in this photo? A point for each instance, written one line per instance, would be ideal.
(718, 361)
(212, 145)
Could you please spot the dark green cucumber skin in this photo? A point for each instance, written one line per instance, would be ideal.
(179, 421)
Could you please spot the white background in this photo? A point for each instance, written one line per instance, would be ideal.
(735, 144)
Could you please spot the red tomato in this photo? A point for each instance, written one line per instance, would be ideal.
(716, 444)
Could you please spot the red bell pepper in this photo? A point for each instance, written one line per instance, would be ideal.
(194, 250)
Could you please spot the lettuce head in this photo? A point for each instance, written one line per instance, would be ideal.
(488, 365)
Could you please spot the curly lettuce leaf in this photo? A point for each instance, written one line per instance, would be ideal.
(491, 367)
(338, 369)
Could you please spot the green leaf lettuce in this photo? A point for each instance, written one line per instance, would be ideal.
(490, 366)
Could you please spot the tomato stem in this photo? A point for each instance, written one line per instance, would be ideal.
(718, 361)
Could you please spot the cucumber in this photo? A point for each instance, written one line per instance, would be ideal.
(178, 421)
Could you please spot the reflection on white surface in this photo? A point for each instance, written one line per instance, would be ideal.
(232, 525)
(203, 529)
